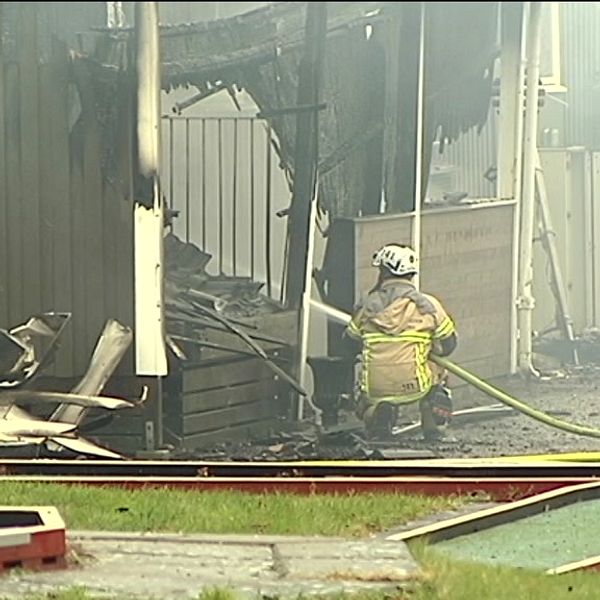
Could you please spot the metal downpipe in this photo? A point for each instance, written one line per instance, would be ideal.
(526, 302)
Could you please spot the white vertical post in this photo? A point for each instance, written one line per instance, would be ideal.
(510, 139)
(511, 100)
(526, 300)
(305, 308)
(150, 351)
(416, 220)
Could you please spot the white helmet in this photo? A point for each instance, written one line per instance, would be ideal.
(397, 259)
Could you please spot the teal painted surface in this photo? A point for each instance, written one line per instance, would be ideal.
(543, 541)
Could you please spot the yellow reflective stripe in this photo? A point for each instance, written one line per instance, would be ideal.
(410, 336)
(445, 329)
(353, 329)
(418, 369)
(423, 372)
(366, 359)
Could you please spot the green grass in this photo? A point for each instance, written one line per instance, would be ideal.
(230, 512)
(159, 510)
(446, 579)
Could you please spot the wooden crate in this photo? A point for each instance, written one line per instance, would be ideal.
(223, 400)
(225, 396)
(228, 396)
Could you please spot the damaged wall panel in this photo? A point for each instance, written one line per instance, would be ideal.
(4, 273)
(259, 51)
(68, 227)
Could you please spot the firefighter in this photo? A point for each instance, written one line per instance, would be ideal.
(399, 327)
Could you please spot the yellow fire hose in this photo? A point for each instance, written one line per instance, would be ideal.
(509, 400)
(344, 318)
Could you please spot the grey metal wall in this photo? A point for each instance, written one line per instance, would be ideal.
(65, 231)
(581, 52)
(470, 157)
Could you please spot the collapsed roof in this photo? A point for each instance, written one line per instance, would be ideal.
(260, 51)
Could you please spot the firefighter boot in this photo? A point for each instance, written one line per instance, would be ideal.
(432, 428)
(379, 420)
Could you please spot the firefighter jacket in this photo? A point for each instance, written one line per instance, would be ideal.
(398, 326)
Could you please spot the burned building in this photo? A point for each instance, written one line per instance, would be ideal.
(67, 122)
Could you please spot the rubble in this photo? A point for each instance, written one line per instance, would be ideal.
(24, 352)
(188, 285)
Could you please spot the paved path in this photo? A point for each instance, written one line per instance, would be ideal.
(165, 566)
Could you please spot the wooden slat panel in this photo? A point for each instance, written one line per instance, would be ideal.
(30, 143)
(228, 417)
(204, 377)
(280, 326)
(245, 393)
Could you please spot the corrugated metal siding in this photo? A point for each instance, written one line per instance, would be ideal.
(471, 156)
(65, 233)
(581, 24)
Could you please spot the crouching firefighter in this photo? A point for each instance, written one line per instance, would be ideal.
(399, 327)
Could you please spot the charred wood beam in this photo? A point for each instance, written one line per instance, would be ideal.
(306, 161)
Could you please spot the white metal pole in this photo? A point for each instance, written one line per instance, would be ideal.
(416, 220)
(150, 350)
(512, 97)
(526, 300)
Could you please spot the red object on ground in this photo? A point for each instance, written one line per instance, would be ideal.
(502, 489)
(31, 537)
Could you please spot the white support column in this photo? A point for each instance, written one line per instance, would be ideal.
(150, 351)
(510, 138)
(416, 220)
(526, 300)
(511, 100)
